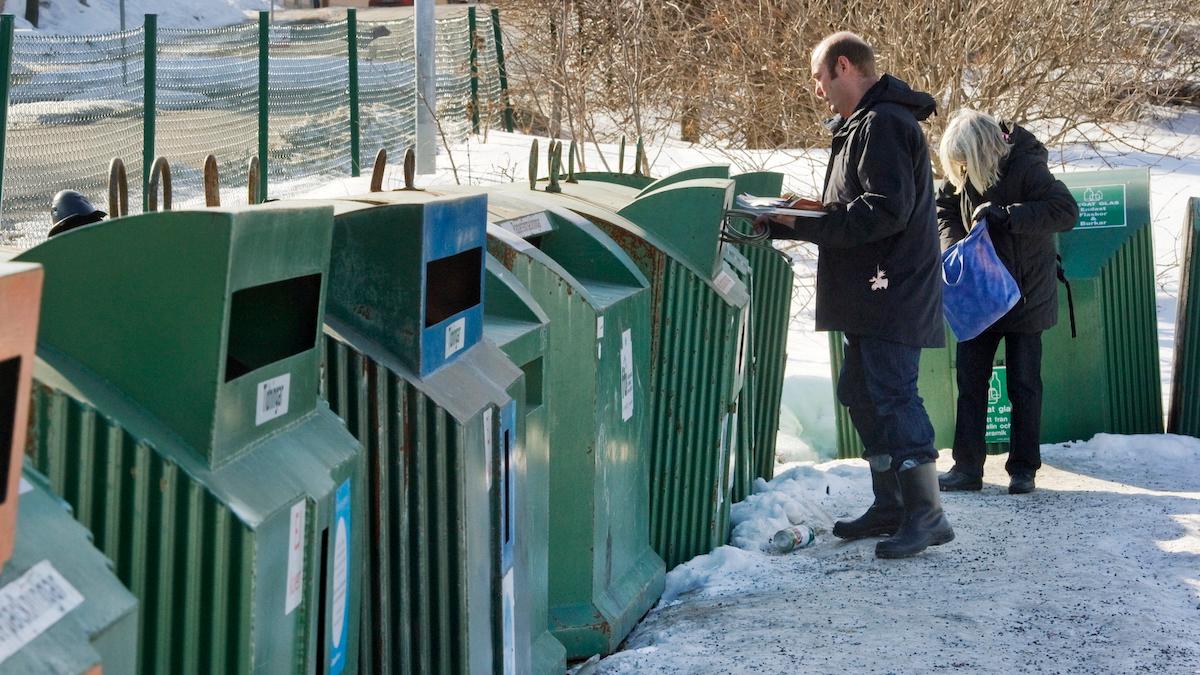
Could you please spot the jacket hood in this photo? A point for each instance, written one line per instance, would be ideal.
(894, 90)
(1024, 144)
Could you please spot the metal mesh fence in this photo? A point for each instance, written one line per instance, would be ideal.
(309, 135)
(207, 103)
(75, 103)
(78, 101)
(491, 106)
(452, 54)
(387, 88)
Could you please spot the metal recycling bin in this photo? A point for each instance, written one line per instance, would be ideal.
(407, 369)
(176, 411)
(699, 314)
(768, 277)
(1106, 379)
(62, 610)
(603, 573)
(1184, 416)
(514, 322)
(770, 285)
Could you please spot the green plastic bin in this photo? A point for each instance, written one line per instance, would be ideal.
(1184, 417)
(407, 369)
(699, 313)
(603, 573)
(514, 322)
(176, 411)
(62, 610)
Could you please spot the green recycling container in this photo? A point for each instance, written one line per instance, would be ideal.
(603, 573)
(176, 411)
(514, 322)
(1106, 379)
(63, 609)
(407, 369)
(767, 275)
(1184, 417)
(699, 314)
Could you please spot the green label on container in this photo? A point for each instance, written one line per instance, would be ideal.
(999, 409)
(1101, 206)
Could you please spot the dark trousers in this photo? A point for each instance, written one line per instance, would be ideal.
(1023, 363)
(878, 383)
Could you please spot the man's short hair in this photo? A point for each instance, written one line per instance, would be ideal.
(847, 44)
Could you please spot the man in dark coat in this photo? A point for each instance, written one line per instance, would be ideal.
(1025, 206)
(878, 281)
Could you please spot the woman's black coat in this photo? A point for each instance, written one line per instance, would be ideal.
(1038, 206)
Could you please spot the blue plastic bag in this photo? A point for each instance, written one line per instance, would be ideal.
(977, 288)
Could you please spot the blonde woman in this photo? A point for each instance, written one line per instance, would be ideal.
(997, 171)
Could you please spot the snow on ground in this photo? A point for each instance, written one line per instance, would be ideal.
(1098, 571)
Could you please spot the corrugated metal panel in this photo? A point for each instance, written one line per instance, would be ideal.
(417, 610)
(770, 306)
(1130, 321)
(693, 435)
(1185, 383)
(194, 582)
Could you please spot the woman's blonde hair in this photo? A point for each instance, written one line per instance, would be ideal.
(972, 146)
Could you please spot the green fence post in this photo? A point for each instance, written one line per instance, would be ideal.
(352, 48)
(149, 86)
(6, 48)
(471, 31)
(264, 41)
(502, 70)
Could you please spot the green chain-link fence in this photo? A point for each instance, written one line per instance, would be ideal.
(78, 101)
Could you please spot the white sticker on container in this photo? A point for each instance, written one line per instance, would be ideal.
(528, 225)
(456, 336)
(25, 486)
(723, 282)
(272, 400)
(295, 567)
(599, 327)
(31, 604)
(626, 375)
(510, 636)
(487, 445)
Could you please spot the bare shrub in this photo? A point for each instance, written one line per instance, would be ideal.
(736, 72)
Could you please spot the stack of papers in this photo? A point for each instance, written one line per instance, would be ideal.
(777, 206)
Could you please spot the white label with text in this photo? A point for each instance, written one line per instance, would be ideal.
(272, 400)
(295, 568)
(456, 336)
(31, 604)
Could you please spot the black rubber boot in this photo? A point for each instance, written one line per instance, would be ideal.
(924, 522)
(885, 514)
(959, 481)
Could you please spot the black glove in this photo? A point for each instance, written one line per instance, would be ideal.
(995, 215)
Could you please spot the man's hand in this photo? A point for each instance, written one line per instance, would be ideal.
(764, 219)
(995, 215)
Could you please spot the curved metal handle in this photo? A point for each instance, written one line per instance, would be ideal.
(533, 165)
(118, 189)
(377, 170)
(571, 163)
(555, 166)
(410, 169)
(252, 181)
(212, 182)
(161, 169)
